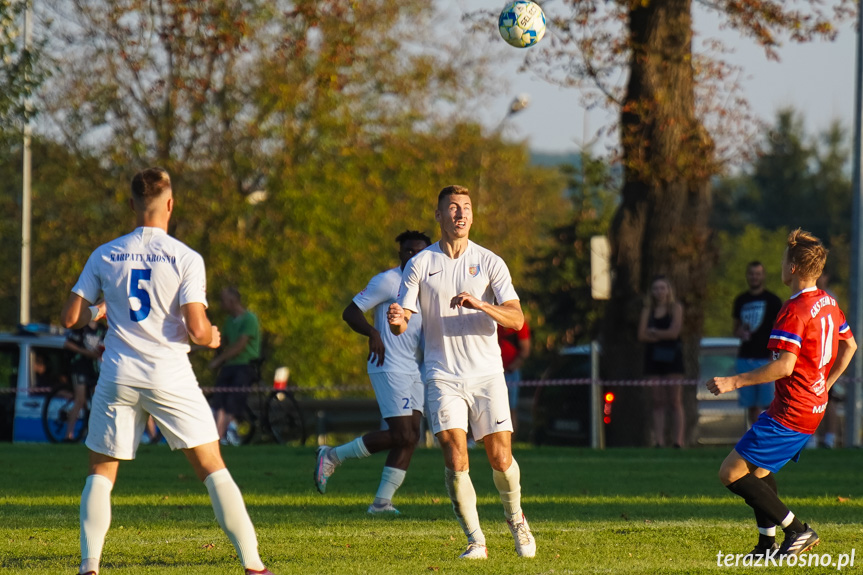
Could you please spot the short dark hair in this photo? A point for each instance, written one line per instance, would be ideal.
(411, 235)
(234, 291)
(754, 264)
(453, 190)
(150, 183)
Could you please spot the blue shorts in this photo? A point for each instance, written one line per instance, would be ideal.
(512, 378)
(770, 445)
(760, 395)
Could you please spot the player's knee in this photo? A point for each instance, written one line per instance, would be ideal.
(500, 462)
(404, 438)
(725, 475)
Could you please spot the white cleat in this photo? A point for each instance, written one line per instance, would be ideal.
(385, 509)
(525, 544)
(324, 468)
(475, 551)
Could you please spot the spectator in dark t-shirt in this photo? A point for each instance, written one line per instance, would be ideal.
(86, 346)
(754, 313)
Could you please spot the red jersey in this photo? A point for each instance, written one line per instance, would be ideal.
(809, 325)
(508, 339)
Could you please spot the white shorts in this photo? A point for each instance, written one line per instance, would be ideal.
(398, 394)
(482, 402)
(119, 414)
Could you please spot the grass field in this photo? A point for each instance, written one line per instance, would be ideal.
(617, 511)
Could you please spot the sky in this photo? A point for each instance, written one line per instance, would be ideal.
(816, 79)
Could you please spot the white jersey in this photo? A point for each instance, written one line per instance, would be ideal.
(403, 353)
(459, 343)
(145, 277)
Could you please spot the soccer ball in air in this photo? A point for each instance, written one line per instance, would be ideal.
(522, 23)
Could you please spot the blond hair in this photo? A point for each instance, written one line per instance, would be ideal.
(453, 190)
(648, 301)
(806, 253)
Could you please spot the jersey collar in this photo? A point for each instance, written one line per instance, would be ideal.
(807, 290)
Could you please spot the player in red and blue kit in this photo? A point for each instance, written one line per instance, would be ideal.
(812, 345)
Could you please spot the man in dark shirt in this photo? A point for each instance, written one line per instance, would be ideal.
(86, 345)
(755, 312)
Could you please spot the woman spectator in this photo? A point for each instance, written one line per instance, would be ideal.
(659, 328)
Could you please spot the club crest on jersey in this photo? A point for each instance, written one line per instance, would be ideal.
(473, 270)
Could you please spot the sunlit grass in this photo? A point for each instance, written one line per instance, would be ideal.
(618, 511)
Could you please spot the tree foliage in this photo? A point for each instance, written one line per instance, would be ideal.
(560, 278)
(301, 139)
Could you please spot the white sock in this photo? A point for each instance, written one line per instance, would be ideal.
(463, 497)
(391, 480)
(355, 449)
(787, 521)
(508, 484)
(769, 531)
(233, 518)
(95, 517)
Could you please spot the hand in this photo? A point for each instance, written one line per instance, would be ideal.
(103, 310)
(395, 314)
(464, 299)
(376, 348)
(216, 340)
(719, 385)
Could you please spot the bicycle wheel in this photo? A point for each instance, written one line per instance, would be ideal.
(55, 412)
(245, 426)
(285, 418)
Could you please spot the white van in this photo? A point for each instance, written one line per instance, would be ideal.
(23, 388)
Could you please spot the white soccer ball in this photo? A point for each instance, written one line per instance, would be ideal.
(522, 24)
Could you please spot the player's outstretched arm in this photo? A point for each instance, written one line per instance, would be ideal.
(844, 354)
(78, 312)
(356, 320)
(201, 331)
(781, 367)
(398, 318)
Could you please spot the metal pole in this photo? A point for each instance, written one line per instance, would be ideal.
(597, 429)
(854, 392)
(24, 317)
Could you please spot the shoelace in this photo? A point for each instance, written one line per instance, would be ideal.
(523, 533)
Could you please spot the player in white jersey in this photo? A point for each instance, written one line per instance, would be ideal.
(455, 284)
(154, 290)
(394, 370)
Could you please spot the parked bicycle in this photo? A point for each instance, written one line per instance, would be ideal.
(277, 414)
(55, 414)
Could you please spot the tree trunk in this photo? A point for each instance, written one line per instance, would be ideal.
(661, 224)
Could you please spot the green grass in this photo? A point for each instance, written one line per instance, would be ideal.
(618, 511)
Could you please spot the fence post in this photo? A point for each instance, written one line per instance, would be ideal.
(597, 431)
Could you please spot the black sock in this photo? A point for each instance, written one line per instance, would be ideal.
(759, 496)
(764, 522)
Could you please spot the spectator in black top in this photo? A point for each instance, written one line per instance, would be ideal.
(659, 327)
(86, 345)
(754, 314)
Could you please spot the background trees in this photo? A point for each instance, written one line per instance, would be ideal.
(301, 139)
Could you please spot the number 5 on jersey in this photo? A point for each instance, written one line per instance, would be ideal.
(136, 291)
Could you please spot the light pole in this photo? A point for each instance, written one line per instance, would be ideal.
(518, 104)
(26, 208)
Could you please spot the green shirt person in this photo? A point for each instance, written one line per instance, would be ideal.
(242, 346)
